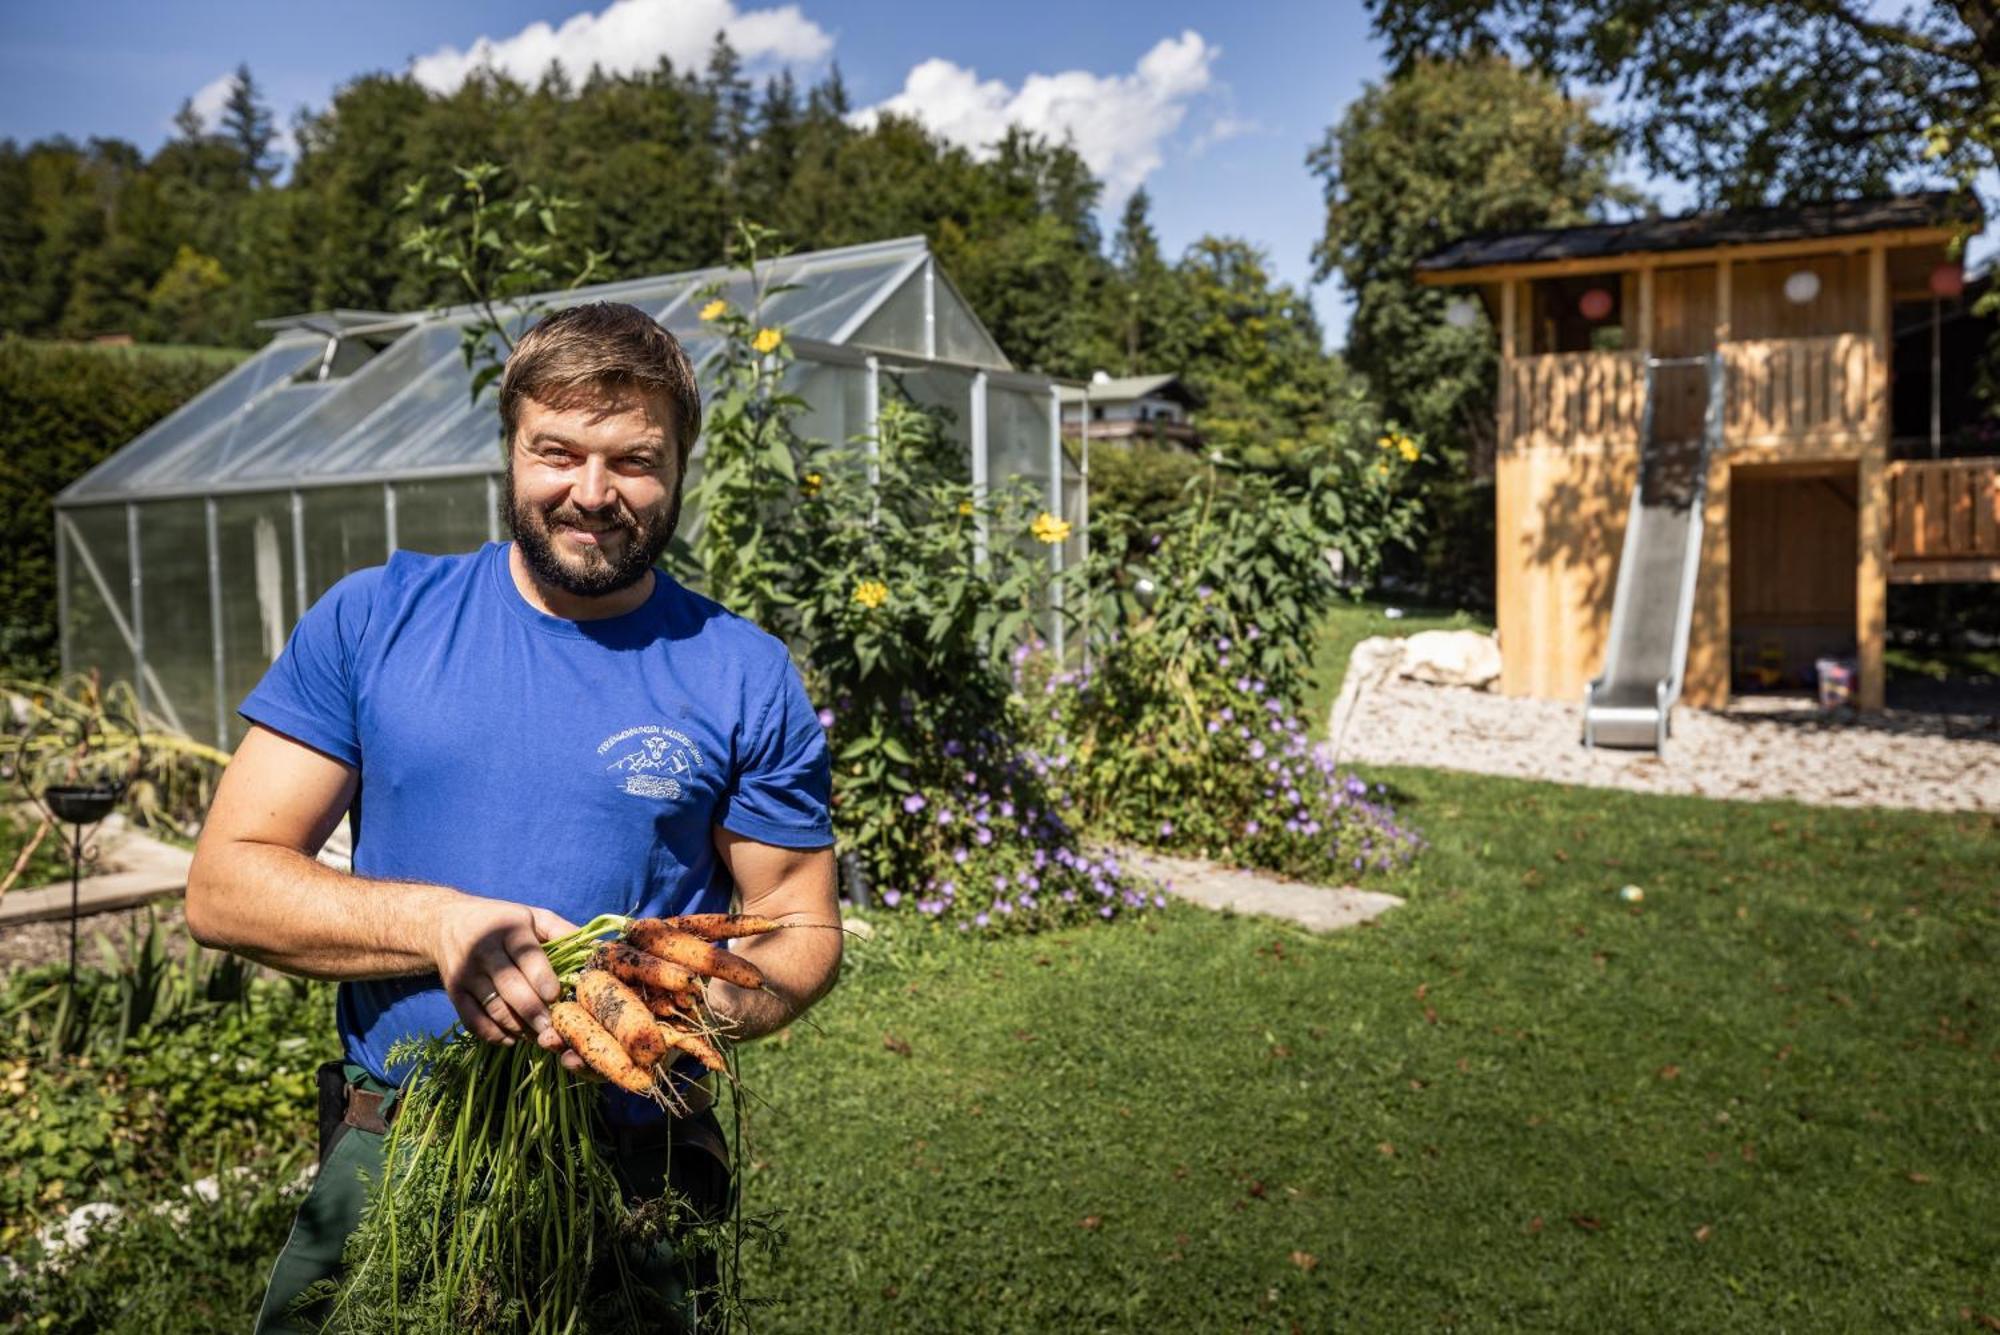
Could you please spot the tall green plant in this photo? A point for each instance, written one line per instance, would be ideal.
(902, 592)
(495, 246)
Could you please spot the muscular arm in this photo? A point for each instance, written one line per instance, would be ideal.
(256, 888)
(799, 966)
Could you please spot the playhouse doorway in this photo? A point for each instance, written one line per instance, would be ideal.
(1794, 556)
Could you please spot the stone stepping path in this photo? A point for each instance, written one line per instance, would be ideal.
(1318, 908)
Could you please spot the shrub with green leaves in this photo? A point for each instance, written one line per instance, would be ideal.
(1183, 732)
(900, 591)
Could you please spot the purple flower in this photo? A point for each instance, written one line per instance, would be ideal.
(1004, 905)
(982, 836)
(1069, 896)
(1006, 811)
(958, 855)
(980, 920)
(1159, 901)
(1228, 714)
(952, 748)
(999, 881)
(1257, 750)
(1251, 827)
(944, 816)
(1204, 593)
(1104, 912)
(826, 718)
(1243, 683)
(970, 778)
(892, 897)
(1256, 631)
(914, 803)
(1166, 829)
(1222, 644)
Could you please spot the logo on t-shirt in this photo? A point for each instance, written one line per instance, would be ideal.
(651, 761)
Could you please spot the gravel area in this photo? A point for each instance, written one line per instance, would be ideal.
(1758, 748)
(23, 944)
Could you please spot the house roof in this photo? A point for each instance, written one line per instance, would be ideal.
(1125, 389)
(1699, 231)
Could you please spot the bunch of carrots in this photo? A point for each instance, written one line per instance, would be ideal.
(497, 1208)
(639, 998)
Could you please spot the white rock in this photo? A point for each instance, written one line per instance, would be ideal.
(1452, 658)
(860, 927)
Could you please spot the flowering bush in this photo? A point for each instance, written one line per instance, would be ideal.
(1184, 734)
(900, 592)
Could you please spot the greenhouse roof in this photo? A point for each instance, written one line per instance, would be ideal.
(361, 396)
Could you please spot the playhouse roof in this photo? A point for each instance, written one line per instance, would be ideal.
(1702, 230)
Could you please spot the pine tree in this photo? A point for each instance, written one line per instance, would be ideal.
(246, 123)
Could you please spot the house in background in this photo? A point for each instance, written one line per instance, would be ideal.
(1794, 503)
(1124, 409)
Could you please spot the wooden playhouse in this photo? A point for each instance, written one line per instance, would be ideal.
(1768, 339)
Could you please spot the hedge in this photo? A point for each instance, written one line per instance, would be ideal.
(63, 408)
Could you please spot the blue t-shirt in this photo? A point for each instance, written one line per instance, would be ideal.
(576, 765)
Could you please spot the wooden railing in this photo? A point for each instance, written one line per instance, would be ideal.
(1944, 520)
(1813, 392)
(1576, 400)
(1787, 391)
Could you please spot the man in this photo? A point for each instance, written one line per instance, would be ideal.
(526, 736)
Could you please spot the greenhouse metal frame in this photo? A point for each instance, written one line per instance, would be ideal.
(184, 559)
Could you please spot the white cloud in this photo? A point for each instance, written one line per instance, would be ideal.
(1119, 121)
(210, 99)
(632, 35)
(1222, 129)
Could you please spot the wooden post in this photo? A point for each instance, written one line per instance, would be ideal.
(1708, 668)
(1871, 592)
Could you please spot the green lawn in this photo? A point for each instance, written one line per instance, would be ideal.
(1350, 624)
(1761, 1098)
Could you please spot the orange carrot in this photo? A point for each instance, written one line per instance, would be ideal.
(654, 937)
(599, 1050)
(724, 926)
(618, 1008)
(668, 1005)
(700, 1048)
(636, 966)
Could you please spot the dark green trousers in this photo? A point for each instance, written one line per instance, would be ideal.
(688, 1158)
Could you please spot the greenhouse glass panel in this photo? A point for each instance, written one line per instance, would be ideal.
(944, 393)
(898, 324)
(174, 615)
(960, 337)
(836, 398)
(1017, 436)
(175, 445)
(99, 614)
(259, 590)
(302, 449)
(443, 516)
(345, 530)
(1074, 509)
(838, 295)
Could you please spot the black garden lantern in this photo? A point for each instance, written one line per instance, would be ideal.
(92, 781)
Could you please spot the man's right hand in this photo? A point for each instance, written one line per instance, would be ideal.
(489, 954)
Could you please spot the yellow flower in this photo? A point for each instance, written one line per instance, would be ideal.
(1047, 528)
(1408, 449)
(714, 309)
(1386, 443)
(811, 484)
(767, 340)
(871, 593)
(965, 507)
(1381, 468)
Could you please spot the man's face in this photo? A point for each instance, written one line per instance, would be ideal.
(593, 488)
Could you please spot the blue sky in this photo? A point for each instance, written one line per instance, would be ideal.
(1211, 107)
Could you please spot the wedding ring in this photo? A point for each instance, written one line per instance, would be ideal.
(487, 1000)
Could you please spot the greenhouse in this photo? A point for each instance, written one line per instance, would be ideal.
(184, 559)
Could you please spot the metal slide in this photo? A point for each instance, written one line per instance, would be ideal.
(1630, 703)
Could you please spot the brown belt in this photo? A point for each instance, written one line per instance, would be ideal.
(364, 1107)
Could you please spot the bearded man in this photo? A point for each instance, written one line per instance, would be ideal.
(525, 737)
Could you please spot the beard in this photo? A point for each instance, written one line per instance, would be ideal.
(590, 573)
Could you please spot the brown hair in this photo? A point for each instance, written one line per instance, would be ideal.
(602, 345)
